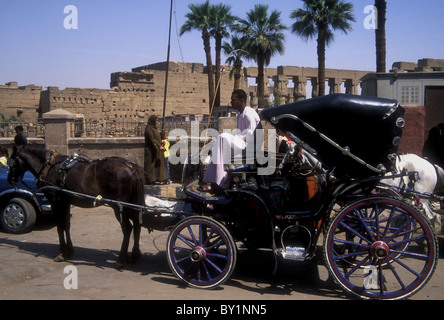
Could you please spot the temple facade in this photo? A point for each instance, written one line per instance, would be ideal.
(136, 94)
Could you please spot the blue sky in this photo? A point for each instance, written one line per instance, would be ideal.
(117, 35)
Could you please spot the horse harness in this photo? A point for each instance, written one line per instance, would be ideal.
(413, 178)
(65, 164)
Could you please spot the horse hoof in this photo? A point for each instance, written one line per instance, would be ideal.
(59, 258)
(135, 257)
(119, 265)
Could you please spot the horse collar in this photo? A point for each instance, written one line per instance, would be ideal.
(50, 161)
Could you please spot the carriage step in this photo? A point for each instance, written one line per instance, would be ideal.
(293, 253)
(193, 190)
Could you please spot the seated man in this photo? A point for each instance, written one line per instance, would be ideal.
(247, 120)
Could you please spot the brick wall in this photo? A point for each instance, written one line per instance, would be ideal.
(413, 135)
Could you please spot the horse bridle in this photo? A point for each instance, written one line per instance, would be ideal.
(40, 175)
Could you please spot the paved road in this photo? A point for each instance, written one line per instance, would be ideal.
(28, 272)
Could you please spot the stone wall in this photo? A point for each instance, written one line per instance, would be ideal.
(99, 104)
(187, 91)
(139, 93)
(20, 101)
(128, 148)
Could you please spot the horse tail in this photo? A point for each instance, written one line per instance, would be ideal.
(138, 194)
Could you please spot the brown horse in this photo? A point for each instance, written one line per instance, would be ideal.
(109, 178)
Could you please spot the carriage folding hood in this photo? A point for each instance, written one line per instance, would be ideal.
(355, 135)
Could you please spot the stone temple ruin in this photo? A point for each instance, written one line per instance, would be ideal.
(135, 95)
(111, 121)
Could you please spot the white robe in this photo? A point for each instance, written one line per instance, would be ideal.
(227, 145)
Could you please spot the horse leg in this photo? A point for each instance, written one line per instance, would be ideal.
(126, 226)
(66, 249)
(136, 253)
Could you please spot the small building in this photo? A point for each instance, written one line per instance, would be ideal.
(411, 84)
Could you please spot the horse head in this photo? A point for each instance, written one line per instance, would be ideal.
(24, 159)
(16, 168)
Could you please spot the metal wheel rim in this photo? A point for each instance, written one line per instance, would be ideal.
(201, 253)
(400, 271)
(13, 216)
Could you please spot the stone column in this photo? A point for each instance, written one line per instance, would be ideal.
(280, 88)
(315, 88)
(335, 85)
(351, 87)
(58, 124)
(300, 92)
(253, 99)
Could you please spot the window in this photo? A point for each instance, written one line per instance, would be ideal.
(410, 95)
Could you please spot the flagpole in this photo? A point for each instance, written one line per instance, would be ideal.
(167, 66)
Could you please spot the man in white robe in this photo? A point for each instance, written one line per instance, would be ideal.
(228, 145)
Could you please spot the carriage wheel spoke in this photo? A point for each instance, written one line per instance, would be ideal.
(185, 240)
(380, 248)
(357, 267)
(207, 256)
(196, 242)
(398, 278)
(352, 230)
(366, 227)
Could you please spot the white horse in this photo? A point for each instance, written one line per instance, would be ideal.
(423, 185)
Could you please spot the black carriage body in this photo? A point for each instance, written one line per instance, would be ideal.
(369, 128)
(276, 212)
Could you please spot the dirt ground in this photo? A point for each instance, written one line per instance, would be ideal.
(28, 272)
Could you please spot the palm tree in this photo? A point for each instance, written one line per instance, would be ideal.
(220, 23)
(381, 6)
(200, 18)
(319, 18)
(263, 38)
(235, 52)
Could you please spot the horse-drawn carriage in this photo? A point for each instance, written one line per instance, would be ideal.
(374, 246)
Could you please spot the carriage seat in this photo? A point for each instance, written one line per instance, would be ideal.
(250, 164)
(243, 164)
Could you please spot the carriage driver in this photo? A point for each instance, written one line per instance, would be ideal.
(247, 120)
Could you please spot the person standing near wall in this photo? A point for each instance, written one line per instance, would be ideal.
(154, 163)
(166, 154)
(20, 138)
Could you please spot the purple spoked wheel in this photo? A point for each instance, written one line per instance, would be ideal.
(201, 252)
(380, 248)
